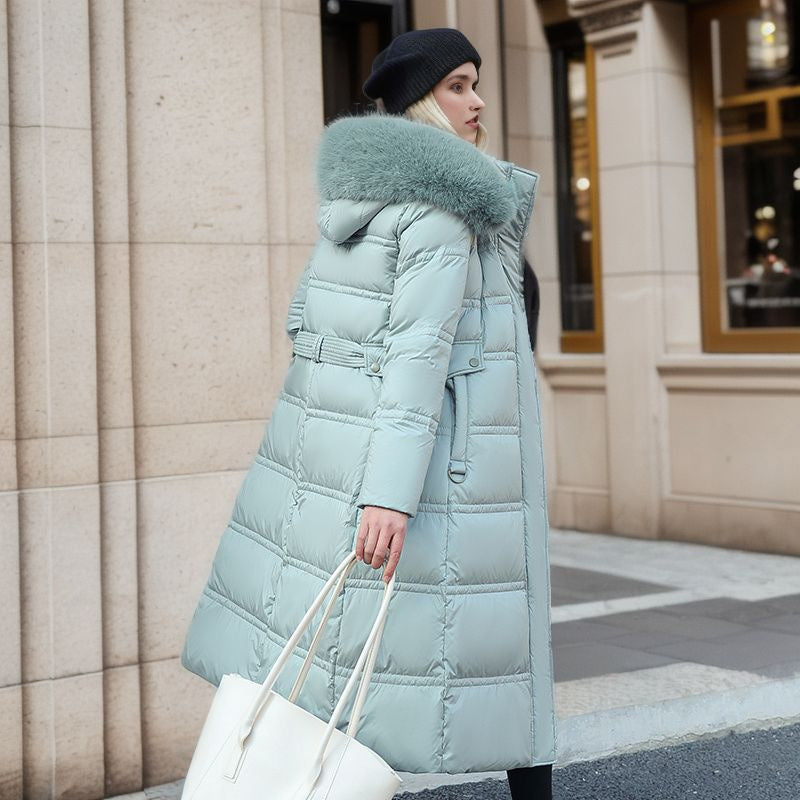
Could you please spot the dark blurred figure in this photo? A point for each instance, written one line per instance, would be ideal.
(530, 291)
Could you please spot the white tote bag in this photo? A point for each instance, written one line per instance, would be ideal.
(258, 745)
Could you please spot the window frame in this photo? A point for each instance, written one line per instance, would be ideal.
(562, 37)
(715, 339)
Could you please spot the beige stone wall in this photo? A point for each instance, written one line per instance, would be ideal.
(157, 207)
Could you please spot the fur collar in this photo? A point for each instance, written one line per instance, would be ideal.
(390, 159)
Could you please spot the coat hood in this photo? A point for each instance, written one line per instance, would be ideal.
(366, 162)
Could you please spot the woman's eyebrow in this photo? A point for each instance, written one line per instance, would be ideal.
(463, 77)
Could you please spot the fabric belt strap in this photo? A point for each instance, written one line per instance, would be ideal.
(322, 347)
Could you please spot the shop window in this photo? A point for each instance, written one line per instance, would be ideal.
(576, 188)
(353, 33)
(745, 64)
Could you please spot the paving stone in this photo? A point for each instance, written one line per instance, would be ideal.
(789, 602)
(657, 621)
(727, 608)
(642, 640)
(748, 651)
(573, 585)
(574, 661)
(581, 631)
(788, 623)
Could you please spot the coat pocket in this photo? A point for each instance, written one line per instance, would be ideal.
(466, 358)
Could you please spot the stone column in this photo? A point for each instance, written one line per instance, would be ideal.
(647, 217)
(56, 420)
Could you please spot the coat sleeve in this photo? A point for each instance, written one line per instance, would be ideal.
(429, 287)
(295, 315)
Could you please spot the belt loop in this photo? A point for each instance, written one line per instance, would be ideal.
(316, 347)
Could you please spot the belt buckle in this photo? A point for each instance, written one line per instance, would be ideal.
(317, 347)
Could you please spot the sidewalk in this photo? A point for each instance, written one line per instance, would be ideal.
(657, 643)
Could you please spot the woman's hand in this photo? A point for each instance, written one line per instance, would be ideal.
(382, 531)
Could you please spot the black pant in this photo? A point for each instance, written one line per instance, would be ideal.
(531, 783)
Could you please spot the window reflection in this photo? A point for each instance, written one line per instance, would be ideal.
(757, 99)
(575, 193)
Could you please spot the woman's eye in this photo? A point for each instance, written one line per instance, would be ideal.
(457, 85)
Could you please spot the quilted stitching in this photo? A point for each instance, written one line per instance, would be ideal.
(463, 675)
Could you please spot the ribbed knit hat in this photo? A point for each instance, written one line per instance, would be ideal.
(414, 62)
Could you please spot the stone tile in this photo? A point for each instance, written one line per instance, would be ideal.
(655, 621)
(181, 520)
(789, 602)
(55, 332)
(109, 77)
(57, 161)
(674, 128)
(122, 716)
(642, 640)
(57, 461)
(11, 742)
(63, 737)
(169, 693)
(120, 574)
(49, 71)
(575, 661)
(625, 121)
(581, 446)
(8, 411)
(682, 324)
(573, 585)
(302, 77)
(196, 113)
(727, 608)
(631, 242)
(592, 511)
(742, 651)
(59, 547)
(787, 623)
(529, 94)
(677, 218)
(10, 621)
(582, 631)
(117, 454)
(522, 24)
(300, 6)
(664, 30)
(8, 464)
(201, 338)
(113, 320)
(743, 455)
(167, 450)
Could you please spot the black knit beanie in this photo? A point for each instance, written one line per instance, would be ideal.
(414, 62)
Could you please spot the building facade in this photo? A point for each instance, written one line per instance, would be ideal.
(157, 207)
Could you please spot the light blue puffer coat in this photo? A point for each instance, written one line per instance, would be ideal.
(412, 386)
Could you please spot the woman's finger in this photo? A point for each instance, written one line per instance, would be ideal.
(360, 539)
(370, 543)
(394, 558)
(381, 548)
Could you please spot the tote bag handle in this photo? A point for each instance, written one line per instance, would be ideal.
(368, 653)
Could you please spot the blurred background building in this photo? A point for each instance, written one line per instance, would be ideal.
(157, 206)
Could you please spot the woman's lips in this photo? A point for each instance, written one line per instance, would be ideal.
(473, 123)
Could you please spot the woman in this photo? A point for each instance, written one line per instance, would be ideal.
(408, 429)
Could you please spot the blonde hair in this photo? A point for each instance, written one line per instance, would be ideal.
(429, 112)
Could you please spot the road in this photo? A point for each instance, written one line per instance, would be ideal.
(758, 765)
